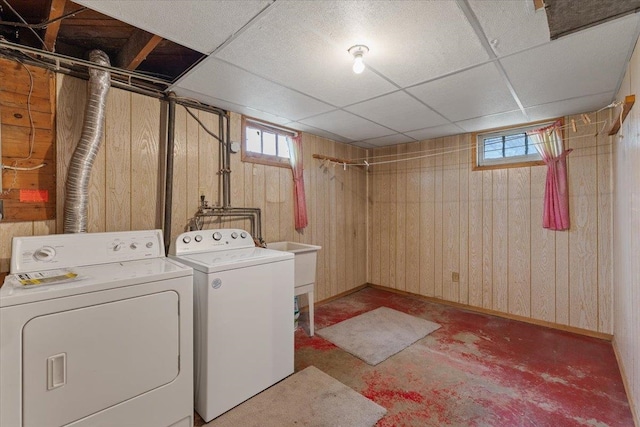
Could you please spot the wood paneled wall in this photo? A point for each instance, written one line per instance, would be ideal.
(626, 248)
(432, 217)
(127, 183)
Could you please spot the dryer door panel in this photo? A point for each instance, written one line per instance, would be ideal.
(79, 362)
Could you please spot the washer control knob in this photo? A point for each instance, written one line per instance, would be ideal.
(117, 246)
(149, 244)
(198, 238)
(45, 253)
(234, 235)
(186, 239)
(217, 236)
(243, 235)
(134, 245)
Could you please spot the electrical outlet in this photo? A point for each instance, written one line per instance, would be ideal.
(455, 276)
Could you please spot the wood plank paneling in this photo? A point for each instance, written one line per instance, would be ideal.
(519, 242)
(117, 146)
(500, 245)
(475, 238)
(146, 205)
(401, 219)
(543, 253)
(438, 222)
(626, 229)
(427, 219)
(605, 228)
(463, 182)
(487, 226)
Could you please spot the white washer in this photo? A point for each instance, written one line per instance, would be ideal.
(112, 346)
(243, 310)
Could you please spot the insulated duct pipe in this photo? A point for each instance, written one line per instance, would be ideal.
(168, 189)
(77, 186)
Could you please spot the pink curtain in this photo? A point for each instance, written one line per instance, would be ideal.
(548, 142)
(299, 201)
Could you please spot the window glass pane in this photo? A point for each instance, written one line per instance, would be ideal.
(269, 143)
(253, 140)
(283, 146)
(493, 148)
(515, 145)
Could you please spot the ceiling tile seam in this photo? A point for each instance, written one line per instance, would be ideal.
(477, 28)
(382, 76)
(335, 107)
(431, 127)
(632, 47)
(394, 131)
(244, 28)
(293, 123)
(247, 107)
(573, 98)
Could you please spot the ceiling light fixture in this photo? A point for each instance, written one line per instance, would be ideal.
(358, 52)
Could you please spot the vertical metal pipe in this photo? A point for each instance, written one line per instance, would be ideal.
(227, 150)
(168, 189)
(226, 160)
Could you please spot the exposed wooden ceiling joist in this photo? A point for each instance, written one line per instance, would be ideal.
(139, 45)
(56, 10)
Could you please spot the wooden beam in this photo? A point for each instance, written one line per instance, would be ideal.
(139, 45)
(336, 160)
(629, 100)
(538, 4)
(51, 34)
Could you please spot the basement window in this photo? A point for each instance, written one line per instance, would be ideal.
(506, 147)
(265, 143)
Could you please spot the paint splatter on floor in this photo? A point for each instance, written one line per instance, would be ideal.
(476, 370)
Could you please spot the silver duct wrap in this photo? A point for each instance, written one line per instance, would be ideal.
(77, 185)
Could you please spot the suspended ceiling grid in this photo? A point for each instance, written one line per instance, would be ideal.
(435, 68)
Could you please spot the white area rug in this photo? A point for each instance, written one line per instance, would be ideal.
(377, 334)
(307, 398)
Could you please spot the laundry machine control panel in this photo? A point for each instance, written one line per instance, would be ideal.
(211, 240)
(35, 253)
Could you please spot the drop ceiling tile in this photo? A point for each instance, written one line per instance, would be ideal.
(389, 140)
(230, 106)
(362, 144)
(317, 132)
(397, 111)
(347, 125)
(588, 62)
(472, 93)
(584, 104)
(289, 45)
(199, 25)
(511, 26)
(435, 132)
(494, 121)
(220, 80)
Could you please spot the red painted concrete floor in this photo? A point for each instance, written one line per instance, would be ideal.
(476, 370)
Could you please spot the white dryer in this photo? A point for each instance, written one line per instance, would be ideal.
(102, 336)
(243, 308)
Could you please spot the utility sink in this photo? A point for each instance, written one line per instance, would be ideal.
(304, 264)
(305, 257)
